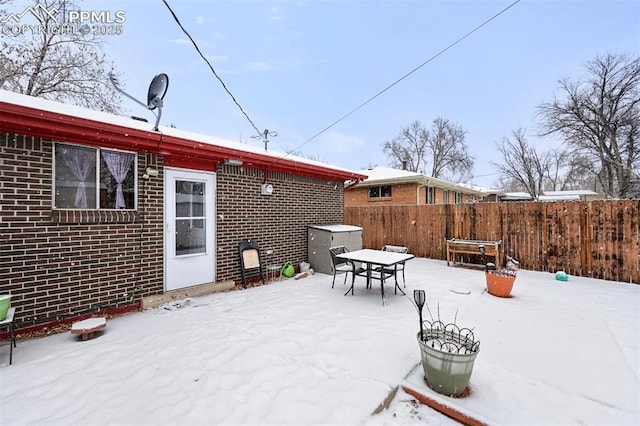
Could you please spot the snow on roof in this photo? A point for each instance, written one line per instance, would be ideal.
(549, 195)
(80, 112)
(516, 196)
(571, 192)
(558, 197)
(337, 228)
(386, 173)
(482, 189)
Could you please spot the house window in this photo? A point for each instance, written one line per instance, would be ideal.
(93, 178)
(431, 195)
(458, 197)
(445, 196)
(383, 191)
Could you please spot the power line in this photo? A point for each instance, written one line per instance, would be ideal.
(485, 175)
(406, 75)
(175, 17)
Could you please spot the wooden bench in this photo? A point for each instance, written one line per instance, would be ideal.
(456, 245)
(87, 328)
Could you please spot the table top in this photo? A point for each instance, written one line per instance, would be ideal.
(9, 318)
(378, 257)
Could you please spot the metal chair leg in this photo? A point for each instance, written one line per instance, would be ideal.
(353, 281)
(13, 341)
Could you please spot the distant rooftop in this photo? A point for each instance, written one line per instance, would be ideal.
(568, 195)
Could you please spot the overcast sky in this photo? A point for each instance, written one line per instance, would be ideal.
(296, 67)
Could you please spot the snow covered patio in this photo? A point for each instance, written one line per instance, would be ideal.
(299, 352)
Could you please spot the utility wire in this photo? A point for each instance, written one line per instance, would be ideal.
(209, 63)
(403, 77)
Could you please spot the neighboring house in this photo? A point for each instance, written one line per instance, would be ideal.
(567, 195)
(509, 196)
(98, 211)
(387, 186)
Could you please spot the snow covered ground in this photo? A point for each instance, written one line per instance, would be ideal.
(299, 352)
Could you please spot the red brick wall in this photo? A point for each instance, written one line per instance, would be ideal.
(278, 221)
(59, 264)
(401, 194)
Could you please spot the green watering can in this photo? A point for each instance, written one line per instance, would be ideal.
(288, 270)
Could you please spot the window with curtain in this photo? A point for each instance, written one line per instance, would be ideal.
(93, 178)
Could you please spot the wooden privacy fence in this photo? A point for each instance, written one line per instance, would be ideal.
(599, 239)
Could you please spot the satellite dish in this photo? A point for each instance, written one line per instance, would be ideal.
(157, 90)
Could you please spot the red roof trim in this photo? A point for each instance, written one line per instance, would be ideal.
(30, 121)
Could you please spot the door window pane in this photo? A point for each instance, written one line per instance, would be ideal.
(189, 199)
(190, 236)
(190, 217)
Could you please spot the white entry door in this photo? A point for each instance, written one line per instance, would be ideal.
(189, 228)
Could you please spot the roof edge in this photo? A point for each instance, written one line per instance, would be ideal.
(58, 126)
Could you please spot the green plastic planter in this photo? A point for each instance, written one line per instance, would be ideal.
(447, 373)
(5, 302)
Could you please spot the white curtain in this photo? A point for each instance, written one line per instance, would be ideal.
(80, 162)
(118, 164)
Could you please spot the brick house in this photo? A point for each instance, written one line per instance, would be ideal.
(386, 186)
(98, 212)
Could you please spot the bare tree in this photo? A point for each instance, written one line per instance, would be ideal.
(408, 149)
(299, 153)
(522, 164)
(451, 158)
(63, 65)
(567, 170)
(523, 167)
(506, 183)
(443, 147)
(599, 118)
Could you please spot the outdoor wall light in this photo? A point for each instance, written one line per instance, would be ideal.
(232, 162)
(150, 173)
(419, 297)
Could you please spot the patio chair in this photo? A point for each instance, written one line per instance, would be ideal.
(8, 323)
(250, 260)
(340, 266)
(400, 266)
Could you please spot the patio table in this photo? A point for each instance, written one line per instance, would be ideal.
(375, 258)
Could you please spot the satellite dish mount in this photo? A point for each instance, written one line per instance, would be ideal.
(155, 94)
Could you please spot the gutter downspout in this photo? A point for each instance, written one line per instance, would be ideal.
(423, 185)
